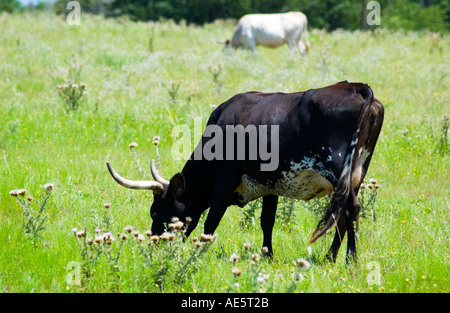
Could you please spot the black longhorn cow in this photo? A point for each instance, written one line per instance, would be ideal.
(325, 139)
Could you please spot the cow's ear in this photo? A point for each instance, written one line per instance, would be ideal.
(176, 185)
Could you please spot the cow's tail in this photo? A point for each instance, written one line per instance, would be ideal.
(344, 183)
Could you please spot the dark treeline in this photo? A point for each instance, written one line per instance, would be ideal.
(329, 14)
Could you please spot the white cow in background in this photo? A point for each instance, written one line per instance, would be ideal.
(271, 30)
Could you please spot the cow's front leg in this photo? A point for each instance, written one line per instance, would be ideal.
(226, 183)
(269, 208)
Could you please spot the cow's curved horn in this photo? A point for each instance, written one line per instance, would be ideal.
(156, 175)
(135, 184)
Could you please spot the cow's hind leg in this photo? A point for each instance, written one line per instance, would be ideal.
(352, 220)
(269, 208)
(341, 229)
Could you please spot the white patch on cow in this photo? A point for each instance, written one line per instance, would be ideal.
(249, 189)
(303, 185)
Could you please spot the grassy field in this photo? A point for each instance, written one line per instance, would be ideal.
(142, 79)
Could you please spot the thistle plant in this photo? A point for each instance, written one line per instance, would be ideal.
(172, 89)
(215, 71)
(136, 159)
(247, 270)
(367, 197)
(34, 220)
(133, 145)
(166, 258)
(151, 39)
(175, 259)
(94, 247)
(442, 145)
(73, 94)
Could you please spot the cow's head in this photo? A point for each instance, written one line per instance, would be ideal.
(166, 204)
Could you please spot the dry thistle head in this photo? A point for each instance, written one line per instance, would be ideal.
(302, 263)
(236, 271)
(166, 236)
(30, 198)
(140, 238)
(255, 257)
(178, 225)
(129, 229)
(156, 140)
(107, 205)
(234, 258)
(81, 233)
(148, 233)
(246, 246)
(188, 220)
(21, 192)
(264, 250)
(260, 279)
(13, 193)
(98, 239)
(154, 239)
(132, 145)
(207, 238)
(124, 236)
(49, 186)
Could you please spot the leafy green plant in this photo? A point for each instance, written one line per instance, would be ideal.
(249, 213)
(286, 211)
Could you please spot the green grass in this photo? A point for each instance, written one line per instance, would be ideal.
(128, 100)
